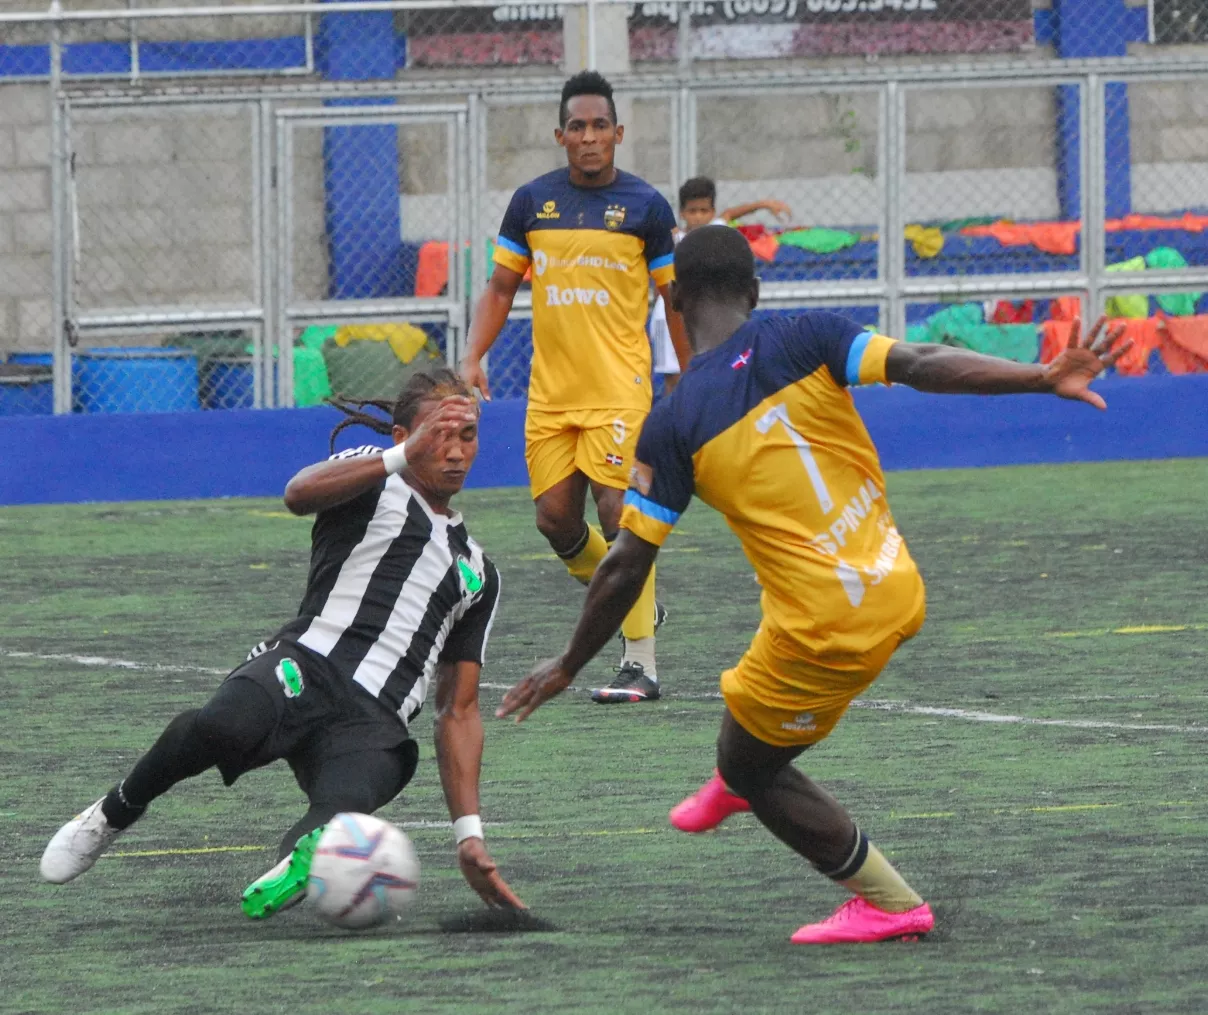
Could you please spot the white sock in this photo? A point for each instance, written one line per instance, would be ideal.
(641, 650)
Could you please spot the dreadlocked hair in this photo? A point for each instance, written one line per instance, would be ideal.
(426, 386)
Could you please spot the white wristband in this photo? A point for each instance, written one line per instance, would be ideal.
(395, 459)
(468, 827)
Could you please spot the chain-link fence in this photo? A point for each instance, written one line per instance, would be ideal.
(205, 207)
(26, 277)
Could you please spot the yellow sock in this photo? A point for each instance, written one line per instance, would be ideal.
(869, 875)
(639, 622)
(585, 558)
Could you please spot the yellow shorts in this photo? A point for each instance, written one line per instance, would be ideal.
(791, 702)
(600, 443)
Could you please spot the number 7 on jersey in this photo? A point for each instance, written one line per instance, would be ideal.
(780, 414)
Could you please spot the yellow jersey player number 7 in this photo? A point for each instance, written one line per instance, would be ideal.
(763, 430)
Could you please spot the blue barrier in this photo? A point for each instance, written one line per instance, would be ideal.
(142, 379)
(118, 457)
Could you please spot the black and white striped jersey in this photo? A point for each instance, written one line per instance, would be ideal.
(393, 588)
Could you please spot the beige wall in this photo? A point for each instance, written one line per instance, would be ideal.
(25, 270)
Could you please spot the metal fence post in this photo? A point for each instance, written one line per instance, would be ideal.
(1094, 154)
(476, 186)
(281, 338)
(684, 38)
(591, 34)
(266, 248)
(59, 238)
(893, 224)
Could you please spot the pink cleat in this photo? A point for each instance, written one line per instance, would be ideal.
(707, 808)
(858, 922)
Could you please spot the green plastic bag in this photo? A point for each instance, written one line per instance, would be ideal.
(1175, 304)
(820, 241)
(1133, 305)
(311, 384)
(963, 325)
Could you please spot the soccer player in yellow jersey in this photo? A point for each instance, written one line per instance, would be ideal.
(594, 238)
(762, 428)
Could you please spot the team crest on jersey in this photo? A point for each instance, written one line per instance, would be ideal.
(614, 216)
(471, 580)
(549, 210)
(289, 676)
(641, 478)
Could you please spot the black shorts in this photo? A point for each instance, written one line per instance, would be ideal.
(320, 714)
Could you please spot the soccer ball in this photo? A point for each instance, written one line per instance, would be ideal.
(364, 872)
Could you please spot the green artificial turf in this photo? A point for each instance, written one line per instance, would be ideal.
(1065, 861)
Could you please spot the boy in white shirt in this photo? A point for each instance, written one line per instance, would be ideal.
(698, 207)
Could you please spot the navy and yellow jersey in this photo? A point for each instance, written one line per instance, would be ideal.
(593, 251)
(763, 429)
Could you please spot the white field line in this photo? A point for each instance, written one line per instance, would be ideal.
(900, 707)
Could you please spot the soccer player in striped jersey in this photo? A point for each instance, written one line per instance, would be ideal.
(399, 598)
(762, 428)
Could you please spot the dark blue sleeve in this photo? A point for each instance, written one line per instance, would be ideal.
(662, 482)
(660, 239)
(819, 338)
(513, 231)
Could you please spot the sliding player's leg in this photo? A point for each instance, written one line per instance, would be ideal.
(228, 729)
(357, 782)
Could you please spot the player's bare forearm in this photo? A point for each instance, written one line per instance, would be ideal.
(459, 754)
(330, 484)
(778, 208)
(459, 737)
(943, 369)
(614, 589)
(676, 329)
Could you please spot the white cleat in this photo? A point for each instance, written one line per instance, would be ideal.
(78, 845)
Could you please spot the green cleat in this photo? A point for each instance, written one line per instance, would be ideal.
(285, 884)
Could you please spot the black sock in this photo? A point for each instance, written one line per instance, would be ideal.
(118, 811)
(578, 547)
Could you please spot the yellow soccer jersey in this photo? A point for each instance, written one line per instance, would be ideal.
(593, 252)
(763, 429)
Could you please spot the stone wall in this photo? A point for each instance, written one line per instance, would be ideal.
(25, 266)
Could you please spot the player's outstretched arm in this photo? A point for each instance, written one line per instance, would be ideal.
(490, 315)
(458, 730)
(614, 589)
(947, 370)
(778, 208)
(332, 483)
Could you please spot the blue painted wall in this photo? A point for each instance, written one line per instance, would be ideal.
(52, 459)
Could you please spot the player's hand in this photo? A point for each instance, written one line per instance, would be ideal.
(482, 874)
(442, 426)
(1084, 359)
(779, 208)
(474, 375)
(547, 680)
